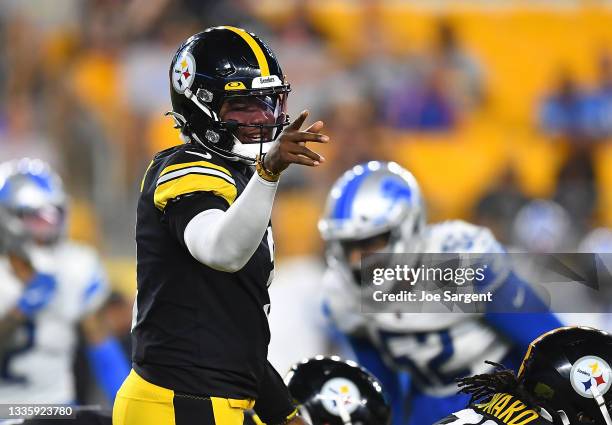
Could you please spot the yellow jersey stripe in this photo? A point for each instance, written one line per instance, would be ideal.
(191, 183)
(194, 170)
(205, 164)
(259, 54)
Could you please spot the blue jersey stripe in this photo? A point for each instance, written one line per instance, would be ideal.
(93, 288)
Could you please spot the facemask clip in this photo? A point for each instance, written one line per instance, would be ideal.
(204, 95)
(212, 136)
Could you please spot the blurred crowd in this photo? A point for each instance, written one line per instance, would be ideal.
(84, 86)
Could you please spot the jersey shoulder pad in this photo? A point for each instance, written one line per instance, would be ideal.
(77, 254)
(81, 264)
(460, 236)
(337, 283)
(190, 169)
(333, 279)
(341, 302)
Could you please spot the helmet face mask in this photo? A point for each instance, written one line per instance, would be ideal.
(254, 121)
(228, 66)
(352, 250)
(43, 226)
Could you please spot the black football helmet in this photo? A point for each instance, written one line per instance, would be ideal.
(569, 369)
(331, 391)
(224, 63)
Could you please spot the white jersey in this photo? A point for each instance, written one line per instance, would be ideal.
(435, 348)
(36, 366)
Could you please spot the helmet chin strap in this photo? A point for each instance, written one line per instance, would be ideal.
(244, 154)
(602, 405)
(250, 150)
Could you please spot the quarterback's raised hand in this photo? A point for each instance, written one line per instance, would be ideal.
(290, 148)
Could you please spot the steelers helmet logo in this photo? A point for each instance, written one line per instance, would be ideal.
(340, 394)
(588, 373)
(183, 72)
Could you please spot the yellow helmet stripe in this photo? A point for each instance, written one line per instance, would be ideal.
(259, 54)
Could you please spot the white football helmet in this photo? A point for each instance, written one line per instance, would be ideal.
(371, 200)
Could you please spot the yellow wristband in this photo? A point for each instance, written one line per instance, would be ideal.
(263, 172)
(291, 416)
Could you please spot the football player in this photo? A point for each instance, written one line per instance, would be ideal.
(332, 391)
(205, 251)
(564, 379)
(378, 207)
(48, 286)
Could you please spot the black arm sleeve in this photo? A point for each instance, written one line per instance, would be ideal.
(179, 212)
(274, 404)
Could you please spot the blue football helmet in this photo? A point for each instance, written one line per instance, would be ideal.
(374, 200)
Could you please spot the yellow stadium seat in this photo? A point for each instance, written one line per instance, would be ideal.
(161, 134)
(603, 169)
(83, 222)
(294, 221)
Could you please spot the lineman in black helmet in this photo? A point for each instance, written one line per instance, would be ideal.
(332, 391)
(564, 379)
(204, 240)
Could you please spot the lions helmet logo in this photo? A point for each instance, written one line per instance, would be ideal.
(589, 373)
(183, 72)
(339, 395)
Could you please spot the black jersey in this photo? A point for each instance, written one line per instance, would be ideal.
(500, 409)
(197, 330)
